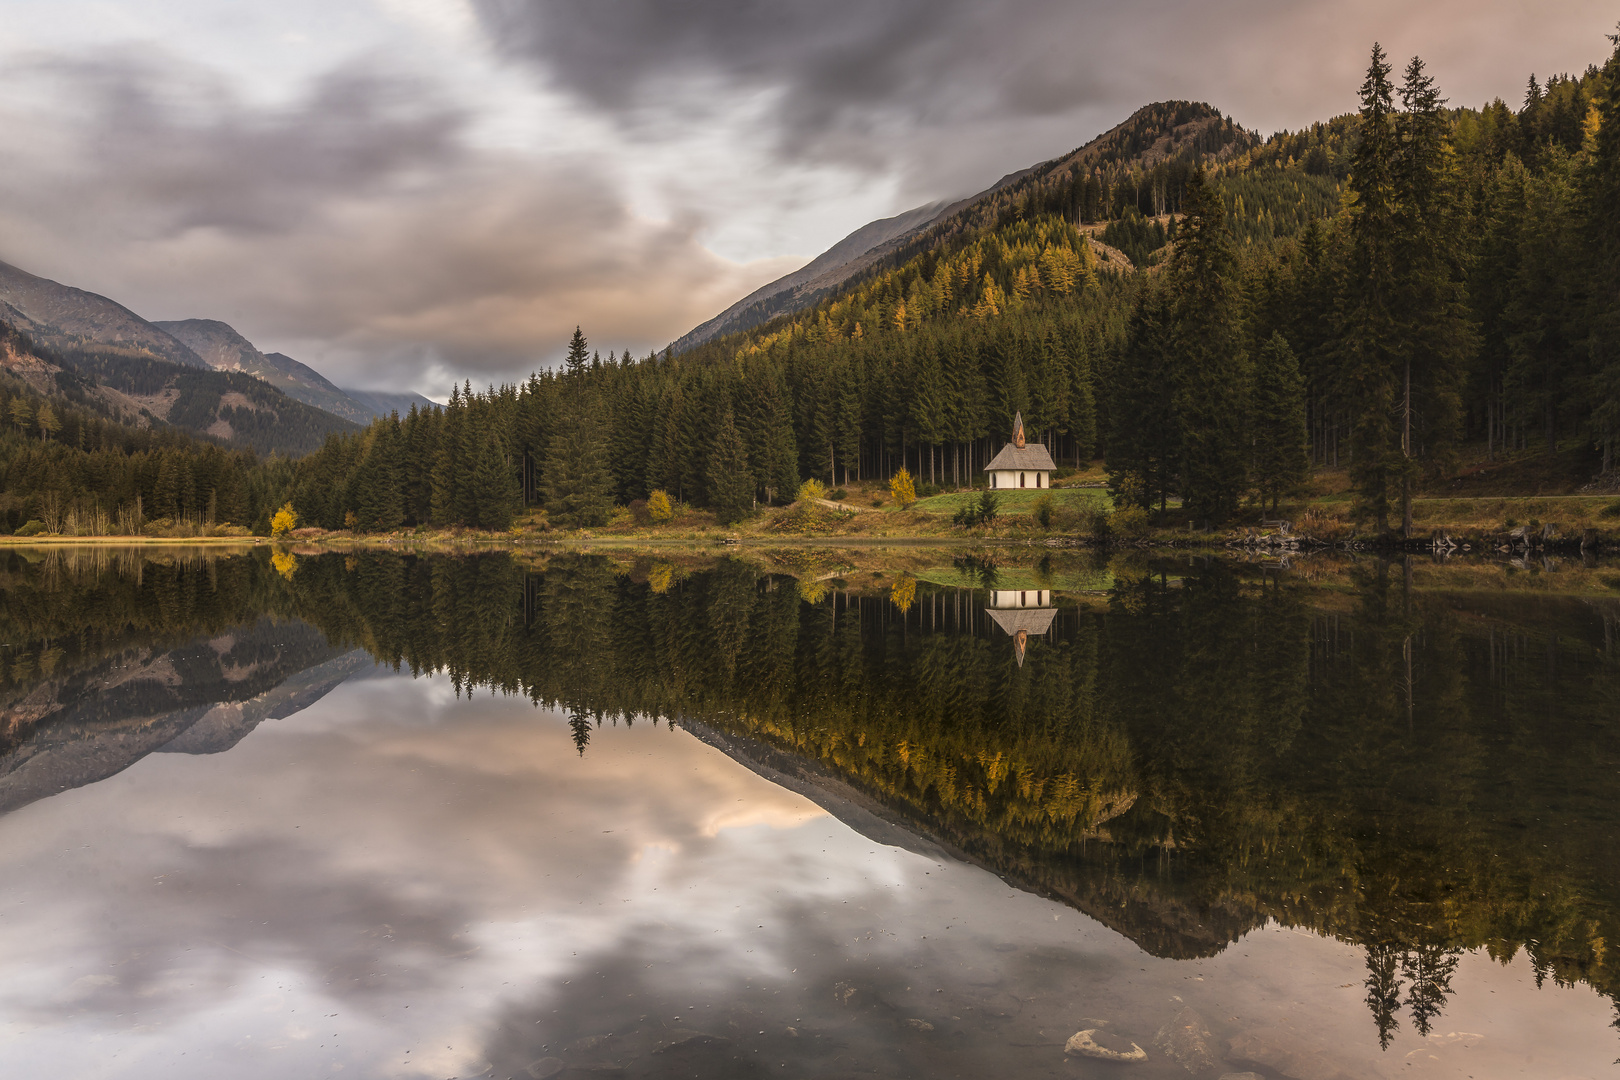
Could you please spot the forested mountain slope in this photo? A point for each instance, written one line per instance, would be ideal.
(60, 317)
(95, 353)
(223, 349)
(1129, 165)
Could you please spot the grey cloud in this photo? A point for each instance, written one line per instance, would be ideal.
(360, 228)
(956, 92)
(176, 139)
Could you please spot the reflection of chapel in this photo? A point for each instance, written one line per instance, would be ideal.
(1022, 612)
(1021, 464)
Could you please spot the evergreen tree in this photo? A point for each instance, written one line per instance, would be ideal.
(1143, 433)
(578, 481)
(1436, 336)
(448, 468)
(491, 483)
(1210, 368)
(578, 357)
(730, 484)
(1369, 345)
(379, 487)
(1280, 458)
(1600, 227)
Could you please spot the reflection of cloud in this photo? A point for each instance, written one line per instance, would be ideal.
(450, 879)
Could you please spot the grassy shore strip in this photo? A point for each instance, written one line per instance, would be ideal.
(131, 541)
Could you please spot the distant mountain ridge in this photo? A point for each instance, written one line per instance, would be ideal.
(61, 317)
(1153, 134)
(223, 349)
(198, 375)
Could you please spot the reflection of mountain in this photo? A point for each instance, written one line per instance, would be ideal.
(1414, 773)
(1196, 758)
(200, 698)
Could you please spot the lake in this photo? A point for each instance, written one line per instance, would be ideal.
(926, 812)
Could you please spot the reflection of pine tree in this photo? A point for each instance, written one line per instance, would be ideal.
(1383, 991)
(1430, 968)
(580, 725)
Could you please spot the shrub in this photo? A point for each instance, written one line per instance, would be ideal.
(1102, 526)
(812, 489)
(33, 527)
(659, 507)
(1045, 506)
(927, 491)
(1130, 490)
(878, 501)
(902, 489)
(837, 494)
(1612, 510)
(285, 521)
(982, 511)
(1131, 523)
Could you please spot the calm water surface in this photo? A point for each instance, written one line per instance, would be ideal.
(818, 815)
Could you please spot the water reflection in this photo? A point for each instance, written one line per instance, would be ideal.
(1420, 771)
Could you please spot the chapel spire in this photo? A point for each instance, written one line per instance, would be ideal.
(1018, 430)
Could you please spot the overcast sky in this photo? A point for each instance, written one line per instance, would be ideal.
(405, 192)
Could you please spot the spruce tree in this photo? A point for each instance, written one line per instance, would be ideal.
(446, 500)
(379, 487)
(491, 483)
(1280, 459)
(1600, 233)
(1143, 432)
(1436, 335)
(578, 479)
(1369, 338)
(730, 484)
(1209, 369)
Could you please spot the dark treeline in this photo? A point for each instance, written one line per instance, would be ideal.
(77, 471)
(1416, 773)
(1450, 288)
(1370, 293)
(1463, 292)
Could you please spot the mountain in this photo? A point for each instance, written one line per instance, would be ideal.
(832, 266)
(1141, 147)
(61, 317)
(223, 349)
(200, 697)
(95, 352)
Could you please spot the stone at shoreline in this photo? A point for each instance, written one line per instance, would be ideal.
(1086, 1044)
(1184, 1039)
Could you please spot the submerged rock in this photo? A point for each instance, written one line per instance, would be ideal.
(919, 1025)
(1086, 1044)
(1184, 1039)
(545, 1068)
(1286, 1053)
(1240, 1076)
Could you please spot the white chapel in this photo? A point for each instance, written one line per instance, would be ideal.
(1021, 464)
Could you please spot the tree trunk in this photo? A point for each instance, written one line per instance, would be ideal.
(1406, 453)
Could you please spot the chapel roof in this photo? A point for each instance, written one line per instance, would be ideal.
(1018, 454)
(1030, 456)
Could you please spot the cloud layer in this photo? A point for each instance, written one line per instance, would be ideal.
(441, 189)
(359, 228)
